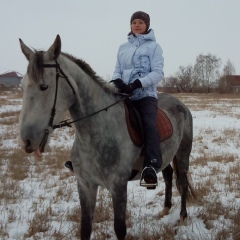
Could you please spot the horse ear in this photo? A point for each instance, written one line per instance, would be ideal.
(54, 51)
(26, 50)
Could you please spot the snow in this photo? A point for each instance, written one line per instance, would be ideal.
(216, 133)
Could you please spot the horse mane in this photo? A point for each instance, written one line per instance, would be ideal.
(90, 72)
(35, 69)
(83, 65)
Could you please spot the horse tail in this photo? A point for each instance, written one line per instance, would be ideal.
(190, 191)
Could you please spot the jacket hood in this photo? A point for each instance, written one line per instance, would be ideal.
(145, 37)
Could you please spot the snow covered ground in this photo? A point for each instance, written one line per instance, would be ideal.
(39, 199)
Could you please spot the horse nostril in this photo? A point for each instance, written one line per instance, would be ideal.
(28, 143)
(28, 148)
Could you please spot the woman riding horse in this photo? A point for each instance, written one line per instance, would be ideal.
(138, 70)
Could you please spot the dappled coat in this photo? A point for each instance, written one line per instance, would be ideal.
(140, 58)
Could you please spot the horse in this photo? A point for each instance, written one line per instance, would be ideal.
(103, 153)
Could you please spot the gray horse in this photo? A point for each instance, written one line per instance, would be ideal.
(103, 153)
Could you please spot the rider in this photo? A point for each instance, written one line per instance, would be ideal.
(138, 70)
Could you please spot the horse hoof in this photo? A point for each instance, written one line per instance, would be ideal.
(182, 222)
(164, 212)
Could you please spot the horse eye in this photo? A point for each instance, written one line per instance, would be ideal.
(43, 87)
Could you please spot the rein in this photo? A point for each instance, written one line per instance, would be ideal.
(68, 122)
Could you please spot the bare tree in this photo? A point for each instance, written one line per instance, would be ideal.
(171, 82)
(207, 70)
(187, 79)
(228, 69)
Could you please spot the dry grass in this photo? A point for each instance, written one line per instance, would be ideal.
(57, 216)
(224, 167)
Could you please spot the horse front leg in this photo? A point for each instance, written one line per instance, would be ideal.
(167, 176)
(87, 201)
(119, 198)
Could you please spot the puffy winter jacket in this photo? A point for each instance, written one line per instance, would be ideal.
(140, 58)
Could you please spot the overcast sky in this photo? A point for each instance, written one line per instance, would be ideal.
(93, 30)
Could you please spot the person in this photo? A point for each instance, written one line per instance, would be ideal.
(138, 70)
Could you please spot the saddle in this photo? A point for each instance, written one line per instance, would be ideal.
(135, 128)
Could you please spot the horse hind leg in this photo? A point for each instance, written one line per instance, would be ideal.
(167, 176)
(181, 170)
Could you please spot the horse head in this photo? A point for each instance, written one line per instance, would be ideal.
(45, 99)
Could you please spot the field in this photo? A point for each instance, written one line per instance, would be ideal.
(39, 199)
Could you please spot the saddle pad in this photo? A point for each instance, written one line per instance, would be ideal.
(164, 126)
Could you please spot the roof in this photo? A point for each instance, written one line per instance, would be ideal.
(11, 74)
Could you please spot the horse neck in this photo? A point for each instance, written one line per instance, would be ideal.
(91, 95)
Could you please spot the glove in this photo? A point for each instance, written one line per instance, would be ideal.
(118, 83)
(136, 84)
(131, 87)
(121, 86)
(124, 88)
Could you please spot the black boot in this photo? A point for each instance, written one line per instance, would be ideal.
(68, 165)
(149, 175)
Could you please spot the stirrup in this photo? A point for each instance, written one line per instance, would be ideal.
(148, 185)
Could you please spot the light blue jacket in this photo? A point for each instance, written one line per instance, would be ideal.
(140, 58)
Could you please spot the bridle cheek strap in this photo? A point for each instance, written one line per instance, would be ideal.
(61, 74)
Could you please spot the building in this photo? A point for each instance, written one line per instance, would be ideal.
(10, 79)
(233, 83)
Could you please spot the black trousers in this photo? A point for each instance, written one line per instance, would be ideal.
(147, 108)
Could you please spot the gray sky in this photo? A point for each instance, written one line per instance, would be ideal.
(93, 30)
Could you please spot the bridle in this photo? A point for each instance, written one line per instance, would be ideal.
(61, 74)
(68, 122)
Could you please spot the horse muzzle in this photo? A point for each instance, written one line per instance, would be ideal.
(28, 148)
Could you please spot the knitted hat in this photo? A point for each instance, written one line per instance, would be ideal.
(143, 16)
